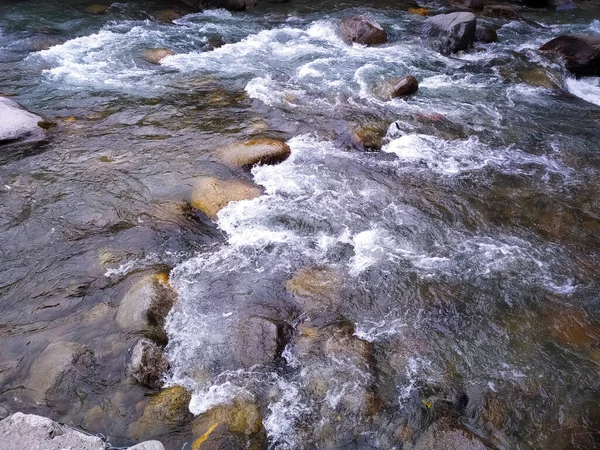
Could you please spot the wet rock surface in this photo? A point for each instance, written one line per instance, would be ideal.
(255, 151)
(28, 431)
(17, 123)
(452, 32)
(148, 364)
(362, 30)
(212, 194)
(154, 55)
(145, 305)
(581, 53)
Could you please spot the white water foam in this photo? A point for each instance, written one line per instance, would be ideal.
(585, 88)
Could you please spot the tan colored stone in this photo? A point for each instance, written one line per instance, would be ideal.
(96, 9)
(255, 151)
(154, 55)
(213, 194)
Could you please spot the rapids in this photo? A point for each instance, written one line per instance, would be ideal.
(466, 250)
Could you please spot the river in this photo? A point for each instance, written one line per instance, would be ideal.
(462, 257)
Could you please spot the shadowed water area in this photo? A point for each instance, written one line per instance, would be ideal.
(448, 282)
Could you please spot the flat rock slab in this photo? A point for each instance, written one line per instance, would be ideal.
(30, 432)
(17, 123)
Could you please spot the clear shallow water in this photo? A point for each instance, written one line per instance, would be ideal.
(466, 250)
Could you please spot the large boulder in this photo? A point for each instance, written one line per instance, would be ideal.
(213, 194)
(18, 123)
(28, 431)
(148, 363)
(452, 32)
(54, 361)
(145, 306)
(362, 30)
(255, 151)
(581, 53)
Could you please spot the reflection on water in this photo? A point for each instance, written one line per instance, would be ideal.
(453, 275)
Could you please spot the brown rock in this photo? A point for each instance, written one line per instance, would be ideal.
(96, 9)
(255, 151)
(361, 30)
(541, 77)
(168, 15)
(407, 85)
(581, 53)
(317, 288)
(154, 55)
(501, 12)
(369, 137)
(486, 35)
(213, 194)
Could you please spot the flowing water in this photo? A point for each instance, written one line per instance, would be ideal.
(465, 252)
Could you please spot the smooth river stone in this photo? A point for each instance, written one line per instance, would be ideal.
(17, 123)
(255, 151)
(212, 194)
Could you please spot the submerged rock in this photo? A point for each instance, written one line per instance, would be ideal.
(28, 431)
(581, 53)
(542, 77)
(362, 30)
(257, 342)
(213, 194)
(452, 32)
(486, 35)
(419, 11)
(255, 151)
(166, 409)
(145, 305)
(238, 421)
(444, 435)
(54, 361)
(316, 288)
(147, 364)
(18, 123)
(154, 55)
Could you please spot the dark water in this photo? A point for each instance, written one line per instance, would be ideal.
(465, 252)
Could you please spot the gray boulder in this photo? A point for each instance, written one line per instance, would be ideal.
(28, 431)
(362, 30)
(452, 32)
(581, 53)
(18, 123)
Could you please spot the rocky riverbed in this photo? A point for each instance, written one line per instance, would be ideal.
(299, 225)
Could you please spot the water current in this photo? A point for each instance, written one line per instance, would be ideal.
(464, 254)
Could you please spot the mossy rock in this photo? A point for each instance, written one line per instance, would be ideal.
(255, 151)
(212, 194)
(240, 420)
(542, 77)
(169, 407)
(369, 137)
